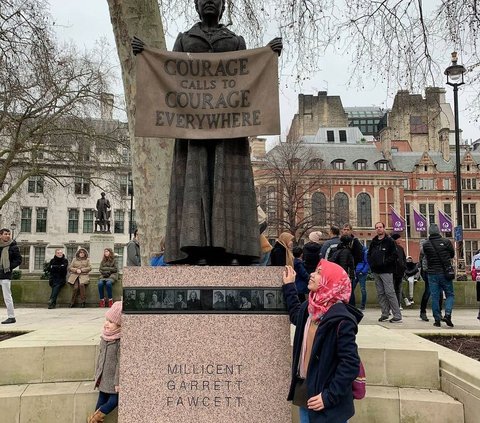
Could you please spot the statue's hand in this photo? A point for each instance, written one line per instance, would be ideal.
(137, 45)
(276, 45)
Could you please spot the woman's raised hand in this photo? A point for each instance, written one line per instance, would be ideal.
(288, 275)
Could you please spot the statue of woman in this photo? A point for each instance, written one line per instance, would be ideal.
(212, 217)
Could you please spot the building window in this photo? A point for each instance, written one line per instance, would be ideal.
(118, 250)
(88, 220)
(26, 222)
(71, 251)
(469, 183)
(338, 164)
(271, 204)
(126, 185)
(447, 184)
(315, 163)
(340, 204)
(342, 135)
(126, 156)
(418, 125)
(35, 184)
(41, 225)
(262, 197)
(407, 219)
(470, 216)
(364, 210)
(319, 209)
(428, 210)
(82, 185)
(406, 184)
(119, 221)
(425, 184)
(73, 221)
(360, 165)
(25, 253)
(330, 136)
(39, 258)
(471, 247)
(383, 165)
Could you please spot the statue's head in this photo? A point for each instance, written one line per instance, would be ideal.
(218, 4)
(102, 194)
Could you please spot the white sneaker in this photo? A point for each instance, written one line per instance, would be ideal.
(407, 302)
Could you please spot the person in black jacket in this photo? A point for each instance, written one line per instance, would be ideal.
(439, 253)
(325, 358)
(356, 246)
(344, 258)
(399, 270)
(311, 251)
(382, 255)
(57, 268)
(10, 258)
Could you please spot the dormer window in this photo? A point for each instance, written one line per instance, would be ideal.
(316, 163)
(360, 165)
(382, 165)
(338, 164)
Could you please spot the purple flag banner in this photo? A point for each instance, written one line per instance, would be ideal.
(420, 221)
(398, 222)
(445, 221)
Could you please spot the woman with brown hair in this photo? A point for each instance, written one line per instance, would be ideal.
(108, 275)
(281, 254)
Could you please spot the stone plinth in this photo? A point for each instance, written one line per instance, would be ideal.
(211, 363)
(98, 243)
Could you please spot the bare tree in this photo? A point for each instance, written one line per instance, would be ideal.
(291, 173)
(48, 97)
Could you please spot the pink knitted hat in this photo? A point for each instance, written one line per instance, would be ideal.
(114, 314)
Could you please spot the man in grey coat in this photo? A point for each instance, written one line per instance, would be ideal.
(133, 251)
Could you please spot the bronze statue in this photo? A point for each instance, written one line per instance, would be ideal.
(212, 213)
(102, 214)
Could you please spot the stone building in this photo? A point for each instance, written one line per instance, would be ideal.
(411, 165)
(58, 210)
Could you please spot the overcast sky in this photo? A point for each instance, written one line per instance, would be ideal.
(85, 22)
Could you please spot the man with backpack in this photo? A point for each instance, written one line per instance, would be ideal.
(476, 275)
(330, 245)
(382, 255)
(439, 253)
(344, 258)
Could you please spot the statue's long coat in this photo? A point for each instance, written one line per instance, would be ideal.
(212, 196)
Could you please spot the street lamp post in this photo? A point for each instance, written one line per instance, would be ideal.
(455, 74)
(130, 189)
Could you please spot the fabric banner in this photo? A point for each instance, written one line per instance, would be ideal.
(398, 222)
(420, 221)
(205, 95)
(445, 221)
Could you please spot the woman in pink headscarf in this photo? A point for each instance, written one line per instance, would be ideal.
(325, 355)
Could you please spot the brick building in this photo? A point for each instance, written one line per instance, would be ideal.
(410, 165)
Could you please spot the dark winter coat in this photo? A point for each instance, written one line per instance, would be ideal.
(436, 264)
(15, 260)
(278, 255)
(301, 276)
(334, 362)
(311, 255)
(108, 366)
(331, 243)
(382, 255)
(411, 268)
(58, 268)
(109, 270)
(212, 194)
(357, 250)
(401, 262)
(344, 258)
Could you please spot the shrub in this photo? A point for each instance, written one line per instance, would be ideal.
(16, 274)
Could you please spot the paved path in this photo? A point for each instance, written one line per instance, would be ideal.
(63, 326)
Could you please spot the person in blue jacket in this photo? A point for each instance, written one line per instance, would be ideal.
(325, 359)
(301, 274)
(361, 273)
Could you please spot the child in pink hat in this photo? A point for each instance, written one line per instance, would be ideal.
(107, 370)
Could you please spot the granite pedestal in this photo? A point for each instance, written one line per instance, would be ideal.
(219, 355)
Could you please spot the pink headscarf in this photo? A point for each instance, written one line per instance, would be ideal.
(334, 286)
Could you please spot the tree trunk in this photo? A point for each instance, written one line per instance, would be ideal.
(151, 157)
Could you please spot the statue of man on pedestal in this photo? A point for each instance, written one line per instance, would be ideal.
(103, 214)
